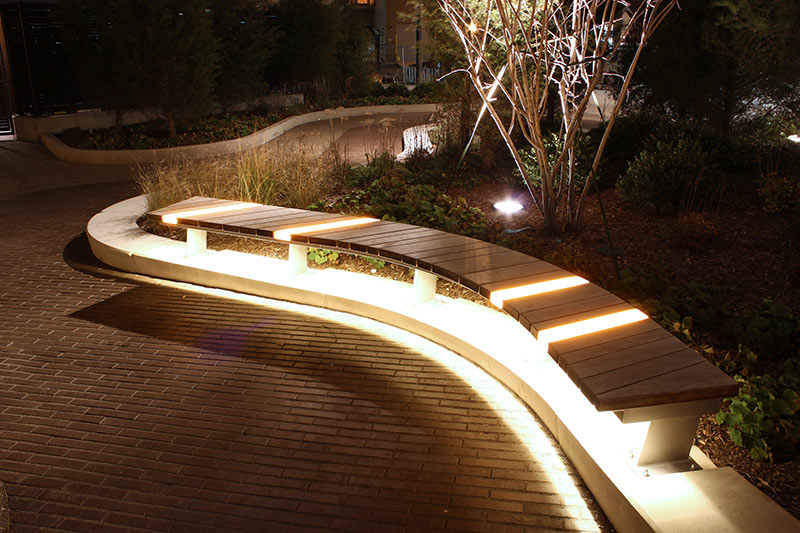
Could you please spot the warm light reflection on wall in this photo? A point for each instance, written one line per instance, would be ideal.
(532, 289)
(591, 325)
(286, 234)
(172, 218)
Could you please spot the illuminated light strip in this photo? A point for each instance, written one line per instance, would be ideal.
(172, 218)
(286, 234)
(591, 325)
(498, 297)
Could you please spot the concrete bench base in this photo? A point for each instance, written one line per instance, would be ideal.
(598, 444)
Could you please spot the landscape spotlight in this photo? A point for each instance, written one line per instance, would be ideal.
(508, 206)
(794, 138)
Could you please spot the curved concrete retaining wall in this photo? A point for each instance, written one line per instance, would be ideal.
(131, 157)
(711, 499)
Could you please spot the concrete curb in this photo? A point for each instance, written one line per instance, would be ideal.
(199, 151)
(707, 500)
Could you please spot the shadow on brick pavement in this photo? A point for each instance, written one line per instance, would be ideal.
(130, 405)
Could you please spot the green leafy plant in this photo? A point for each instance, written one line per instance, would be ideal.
(673, 175)
(376, 263)
(393, 198)
(320, 256)
(765, 417)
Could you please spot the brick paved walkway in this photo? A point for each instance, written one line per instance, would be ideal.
(127, 405)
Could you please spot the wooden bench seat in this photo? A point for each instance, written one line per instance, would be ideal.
(634, 368)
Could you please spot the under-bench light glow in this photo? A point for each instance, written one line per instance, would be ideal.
(286, 234)
(591, 325)
(498, 297)
(172, 218)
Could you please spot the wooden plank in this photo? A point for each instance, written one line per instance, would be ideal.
(451, 250)
(522, 305)
(466, 244)
(194, 202)
(341, 238)
(458, 268)
(637, 372)
(698, 382)
(237, 219)
(379, 246)
(628, 345)
(247, 214)
(626, 357)
(250, 226)
(409, 250)
(506, 274)
(567, 313)
(268, 228)
(466, 255)
(584, 347)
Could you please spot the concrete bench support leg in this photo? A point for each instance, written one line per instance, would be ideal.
(195, 242)
(298, 259)
(424, 287)
(669, 439)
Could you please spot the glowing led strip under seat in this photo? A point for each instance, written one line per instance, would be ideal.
(591, 325)
(172, 218)
(286, 234)
(498, 297)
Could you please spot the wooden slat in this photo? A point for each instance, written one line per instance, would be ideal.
(243, 217)
(236, 220)
(698, 382)
(518, 306)
(560, 315)
(251, 226)
(513, 273)
(340, 238)
(635, 373)
(458, 268)
(194, 202)
(612, 340)
(268, 229)
(626, 357)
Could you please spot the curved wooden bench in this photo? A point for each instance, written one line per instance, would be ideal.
(621, 360)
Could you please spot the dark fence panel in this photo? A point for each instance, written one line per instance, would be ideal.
(44, 82)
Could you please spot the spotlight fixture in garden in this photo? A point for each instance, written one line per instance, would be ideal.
(794, 138)
(532, 52)
(508, 206)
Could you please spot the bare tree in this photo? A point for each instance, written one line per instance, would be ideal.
(531, 51)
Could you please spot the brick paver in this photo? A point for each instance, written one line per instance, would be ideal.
(128, 405)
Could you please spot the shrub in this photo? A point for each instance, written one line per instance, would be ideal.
(765, 417)
(779, 192)
(396, 89)
(393, 198)
(772, 331)
(426, 90)
(673, 175)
